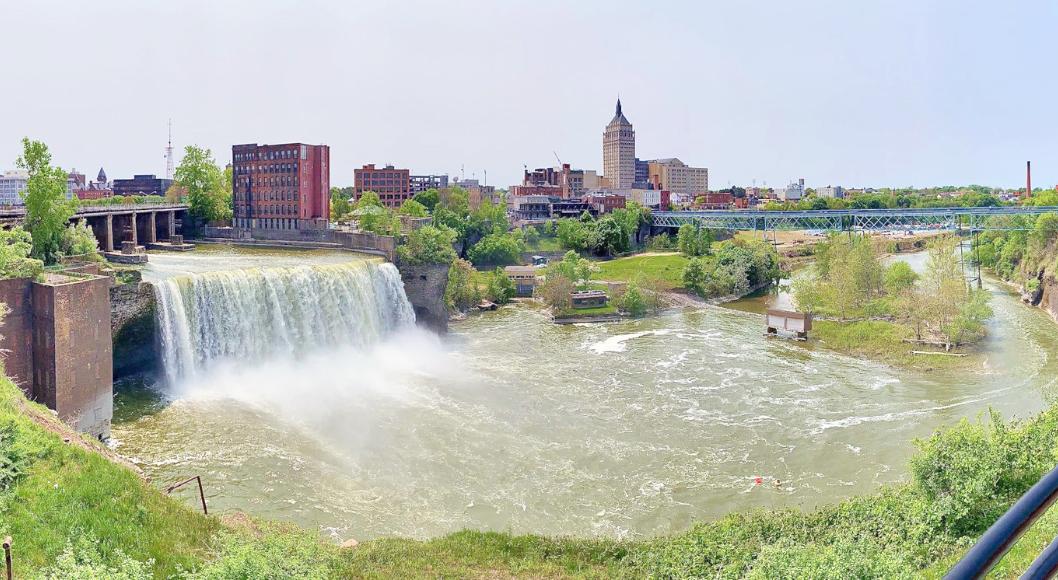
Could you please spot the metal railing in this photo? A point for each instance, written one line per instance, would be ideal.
(973, 218)
(201, 494)
(1003, 534)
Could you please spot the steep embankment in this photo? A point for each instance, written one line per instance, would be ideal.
(57, 488)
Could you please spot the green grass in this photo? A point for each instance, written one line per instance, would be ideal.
(63, 491)
(665, 268)
(545, 244)
(586, 312)
(881, 341)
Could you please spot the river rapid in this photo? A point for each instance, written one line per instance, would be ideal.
(512, 423)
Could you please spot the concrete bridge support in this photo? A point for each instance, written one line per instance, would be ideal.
(108, 238)
(152, 223)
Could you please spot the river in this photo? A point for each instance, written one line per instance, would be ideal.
(512, 423)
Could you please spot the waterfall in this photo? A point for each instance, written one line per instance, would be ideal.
(253, 314)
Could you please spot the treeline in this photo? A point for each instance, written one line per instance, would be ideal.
(894, 199)
(1026, 249)
(849, 282)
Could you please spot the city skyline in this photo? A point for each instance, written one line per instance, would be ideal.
(946, 94)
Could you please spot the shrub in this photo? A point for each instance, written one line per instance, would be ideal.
(500, 288)
(15, 247)
(80, 240)
(428, 245)
(461, 292)
(497, 249)
(83, 561)
(632, 301)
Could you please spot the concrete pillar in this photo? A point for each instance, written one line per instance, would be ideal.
(172, 224)
(152, 231)
(132, 220)
(109, 243)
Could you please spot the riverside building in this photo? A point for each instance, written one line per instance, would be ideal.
(280, 188)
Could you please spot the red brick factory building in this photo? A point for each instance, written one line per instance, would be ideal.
(279, 189)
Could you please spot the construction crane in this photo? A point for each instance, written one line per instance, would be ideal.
(556, 158)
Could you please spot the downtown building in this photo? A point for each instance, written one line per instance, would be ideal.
(392, 185)
(281, 191)
(145, 184)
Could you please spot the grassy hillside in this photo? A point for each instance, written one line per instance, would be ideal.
(667, 268)
(75, 512)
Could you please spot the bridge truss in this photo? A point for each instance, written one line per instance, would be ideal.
(974, 219)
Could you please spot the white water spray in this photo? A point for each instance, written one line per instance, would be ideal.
(255, 314)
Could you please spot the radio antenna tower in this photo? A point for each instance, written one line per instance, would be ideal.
(169, 153)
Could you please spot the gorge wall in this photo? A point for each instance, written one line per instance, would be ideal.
(133, 327)
(425, 286)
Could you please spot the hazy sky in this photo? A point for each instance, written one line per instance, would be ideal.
(852, 92)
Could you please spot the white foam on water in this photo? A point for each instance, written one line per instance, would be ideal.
(617, 342)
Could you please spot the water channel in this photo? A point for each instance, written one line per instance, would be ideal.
(510, 422)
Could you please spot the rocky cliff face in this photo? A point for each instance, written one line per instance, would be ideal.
(425, 286)
(1048, 296)
(133, 328)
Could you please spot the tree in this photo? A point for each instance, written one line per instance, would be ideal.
(694, 276)
(412, 208)
(204, 181)
(428, 198)
(367, 199)
(455, 199)
(694, 241)
(47, 209)
(951, 311)
(80, 240)
(376, 219)
(572, 267)
(632, 301)
(428, 245)
(556, 290)
(574, 234)
(461, 292)
(340, 205)
(899, 278)
(500, 288)
(609, 237)
(497, 249)
(16, 245)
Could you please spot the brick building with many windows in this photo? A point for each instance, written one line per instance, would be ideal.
(392, 185)
(281, 187)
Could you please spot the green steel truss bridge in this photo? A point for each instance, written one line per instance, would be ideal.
(974, 219)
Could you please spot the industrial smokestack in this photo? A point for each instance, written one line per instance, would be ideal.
(1028, 178)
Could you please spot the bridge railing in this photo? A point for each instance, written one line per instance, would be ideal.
(130, 207)
(973, 218)
(1006, 531)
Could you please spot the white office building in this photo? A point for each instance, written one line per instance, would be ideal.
(12, 184)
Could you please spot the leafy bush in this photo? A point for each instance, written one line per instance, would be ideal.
(462, 292)
(632, 300)
(428, 245)
(16, 244)
(500, 288)
(83, 561)
(279, 553)
(80, 240)
(497, 249)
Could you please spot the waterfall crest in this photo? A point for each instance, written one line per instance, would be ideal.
(249, 315)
